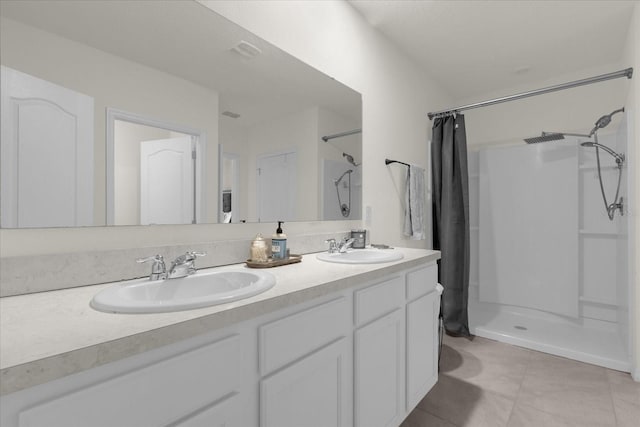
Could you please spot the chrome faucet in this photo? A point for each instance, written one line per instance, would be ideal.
(184, 265)
(346, 243)
(158, 269)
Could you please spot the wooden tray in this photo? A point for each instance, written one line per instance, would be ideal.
(275, 262)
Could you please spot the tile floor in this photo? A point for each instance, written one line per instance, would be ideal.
(488, 383)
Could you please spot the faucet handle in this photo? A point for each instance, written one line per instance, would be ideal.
(195, 254)
(333, 245)
(188, 257)
(158, 268)
(150, 258)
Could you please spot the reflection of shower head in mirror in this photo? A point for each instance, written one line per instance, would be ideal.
(350, 159)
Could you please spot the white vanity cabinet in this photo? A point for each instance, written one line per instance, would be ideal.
(362, 356)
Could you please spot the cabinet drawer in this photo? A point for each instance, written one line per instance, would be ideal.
(155, 395)
(421, 282)
(377, 300)
(292, 337)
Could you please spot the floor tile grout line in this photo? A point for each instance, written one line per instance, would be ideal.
(613, 403)
(438, 417)
(524, 375)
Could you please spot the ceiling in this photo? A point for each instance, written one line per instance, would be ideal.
(478, 47)
(187, 40)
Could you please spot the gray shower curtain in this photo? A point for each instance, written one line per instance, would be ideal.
(451, 218)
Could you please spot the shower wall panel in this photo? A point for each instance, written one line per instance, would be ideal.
(528, 227)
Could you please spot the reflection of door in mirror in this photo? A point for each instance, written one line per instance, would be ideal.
(277, 186)
(47, 153)
(230, 186)
(167, 181)
(154, 171)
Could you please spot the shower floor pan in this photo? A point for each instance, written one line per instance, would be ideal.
(590, 345)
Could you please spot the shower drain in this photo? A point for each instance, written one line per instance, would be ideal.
(522, 328)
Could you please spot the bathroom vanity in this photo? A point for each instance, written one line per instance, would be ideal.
(328, 345)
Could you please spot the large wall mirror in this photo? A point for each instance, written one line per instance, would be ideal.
(164, 112)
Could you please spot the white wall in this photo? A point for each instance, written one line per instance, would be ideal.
(632, 58)
(396, 93)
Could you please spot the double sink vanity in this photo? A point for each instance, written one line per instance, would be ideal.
(335, 340)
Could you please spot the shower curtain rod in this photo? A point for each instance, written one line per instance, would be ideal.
(617, 74)
(339, 135)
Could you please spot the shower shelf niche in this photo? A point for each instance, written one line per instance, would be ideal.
(595, 167)
(593, 300)
(598, 233)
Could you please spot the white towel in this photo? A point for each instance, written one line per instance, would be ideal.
(414, 204)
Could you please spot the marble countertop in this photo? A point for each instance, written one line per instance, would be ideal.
(49, 335)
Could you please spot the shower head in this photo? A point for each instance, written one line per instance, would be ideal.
(592, 144)
(337, 181)
(604, 121)
(545, 137)
(349, 158)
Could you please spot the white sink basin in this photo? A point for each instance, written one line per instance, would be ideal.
(196, 291)
(362, 256)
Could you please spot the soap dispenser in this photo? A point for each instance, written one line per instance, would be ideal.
(279, 243)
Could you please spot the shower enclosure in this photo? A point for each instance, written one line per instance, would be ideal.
(549, 267)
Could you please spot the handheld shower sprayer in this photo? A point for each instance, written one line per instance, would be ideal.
(604, 121)
(618, 202)
(619, 157)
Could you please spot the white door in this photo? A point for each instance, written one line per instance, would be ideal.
(167, 181)
(277, 187)
(47, 153)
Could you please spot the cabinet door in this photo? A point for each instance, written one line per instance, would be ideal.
(175, 388)
(311, 392)
(224, 413)
(379, 372)
(422, 347)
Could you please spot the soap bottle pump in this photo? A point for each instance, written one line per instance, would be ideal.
(279, 243)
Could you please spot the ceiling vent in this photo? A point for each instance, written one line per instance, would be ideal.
(231, 114)
(246, 49)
